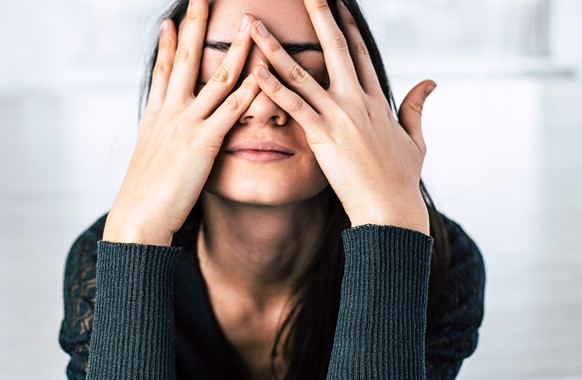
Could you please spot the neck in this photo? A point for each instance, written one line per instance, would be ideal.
(251, 258)
(260, 250)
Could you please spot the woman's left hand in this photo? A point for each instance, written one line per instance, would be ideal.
(372, 161)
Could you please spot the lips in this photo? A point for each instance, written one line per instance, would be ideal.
(262, 146)
(259, 151)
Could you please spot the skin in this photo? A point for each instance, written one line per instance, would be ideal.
(327, 110)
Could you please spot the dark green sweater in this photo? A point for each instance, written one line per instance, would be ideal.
(381, 331)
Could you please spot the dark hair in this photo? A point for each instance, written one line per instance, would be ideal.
(310, 326)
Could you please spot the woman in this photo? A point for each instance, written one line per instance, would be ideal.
(272, 222)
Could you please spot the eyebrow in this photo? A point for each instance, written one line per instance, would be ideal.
(291, 48)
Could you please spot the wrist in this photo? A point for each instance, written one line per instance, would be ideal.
(406, 213)
(125, 231)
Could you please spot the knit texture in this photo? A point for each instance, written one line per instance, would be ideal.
(146, 302)
(133, 334)
(382, 318)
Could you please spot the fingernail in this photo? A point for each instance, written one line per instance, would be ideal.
(262, 29)
(263, 72)
(244, 23)
(430, 89)
(164, 26)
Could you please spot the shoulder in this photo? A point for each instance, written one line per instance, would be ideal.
(466, 272)
(79, 299)
(80, 270)
(463, 287)
(82, 257)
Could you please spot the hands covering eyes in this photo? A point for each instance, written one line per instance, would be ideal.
(372, 162)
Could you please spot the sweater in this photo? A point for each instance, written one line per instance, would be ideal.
(144, 312)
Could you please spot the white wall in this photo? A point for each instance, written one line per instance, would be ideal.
(57, 43)
(566, 33)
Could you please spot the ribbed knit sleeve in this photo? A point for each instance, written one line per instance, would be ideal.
(380, 332)
(133, 328)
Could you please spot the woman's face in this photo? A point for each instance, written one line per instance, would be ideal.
(265, 158)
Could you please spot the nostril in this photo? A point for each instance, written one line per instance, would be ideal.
(279, 120)
(244, 119)
(264, 111)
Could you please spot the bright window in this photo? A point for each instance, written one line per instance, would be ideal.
(448, 28)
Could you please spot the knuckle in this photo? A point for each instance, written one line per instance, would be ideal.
(415, 107)
(277, 87)
(222, 74)
(295, 104)
(161, 68)
(193, 14)
(233, 102)
(182, 54)
(383, 102)
(379, 104)
(362, 49)
(247, 87)
(166, 43)
(362, 102)
(339, 41)
(297, 73)
(354, 97)
(273, 46)
(350, 21)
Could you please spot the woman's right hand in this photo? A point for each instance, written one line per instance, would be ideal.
(180, 134)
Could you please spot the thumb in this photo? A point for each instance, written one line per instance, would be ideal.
(410, 113)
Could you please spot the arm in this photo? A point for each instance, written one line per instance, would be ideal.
(382, 317)
(452, 331)
(79, 301)
(133, 329)
(133, 287)
(179, 136)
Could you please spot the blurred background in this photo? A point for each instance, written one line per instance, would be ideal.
(503, 131)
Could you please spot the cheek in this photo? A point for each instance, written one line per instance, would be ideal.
(316, 182)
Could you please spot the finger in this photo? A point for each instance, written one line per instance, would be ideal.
(163, 66)
(289, 101)
(410, 113)
(190, 44)
(359, 53)
(335, 46)
(227, 74)
(288, 69)
(227, 114)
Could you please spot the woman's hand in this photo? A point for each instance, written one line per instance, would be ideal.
(372, 162)
(180, 134)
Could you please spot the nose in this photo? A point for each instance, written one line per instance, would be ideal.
(262, 110)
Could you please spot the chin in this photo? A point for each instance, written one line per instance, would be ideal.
(272, 191)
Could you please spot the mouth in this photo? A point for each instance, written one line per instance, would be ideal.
(265, 151)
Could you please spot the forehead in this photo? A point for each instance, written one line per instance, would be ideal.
(287, 19)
